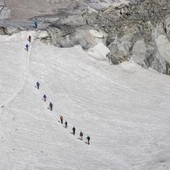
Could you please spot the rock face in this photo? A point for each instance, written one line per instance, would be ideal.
(71, 31)
(2, 32)
(25, 9)
(140, 32)
(137, 30)
(150, 42)
(5, 12)
(11, 30)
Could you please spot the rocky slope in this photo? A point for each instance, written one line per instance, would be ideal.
(24, 9)
(137, 31)
(5, 12)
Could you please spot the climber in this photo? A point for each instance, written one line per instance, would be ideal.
(88, 140)
(74, 130)
(26, 46)
(35, 24)
(81, 135)
(61, 119)
(29, 38)
(65, 123)
(51, 106)
(38, 85)
(44, 97)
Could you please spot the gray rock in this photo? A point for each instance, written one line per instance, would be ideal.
(5, 13)
(2, 31)
(53, 7)
(138, 31)
(167, 26)
(11, 30)
(114, 59)
(79, 39)
(162, 45)
(2, 3)
(139, 53)
(74, 20)
(43, 36)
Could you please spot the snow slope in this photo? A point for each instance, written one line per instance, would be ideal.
(124, 109)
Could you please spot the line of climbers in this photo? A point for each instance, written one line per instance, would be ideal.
(51, 105)
(27, 46)
(61, 117)
(29, 37)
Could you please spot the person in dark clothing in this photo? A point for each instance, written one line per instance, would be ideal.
(29, 38)
(36, 24)
(88, 140)
(44, 97)
(38, 85)
(74, 130)
(61, 119)
(26, 46)
(51, 106)
(65, 123)
(81, 135)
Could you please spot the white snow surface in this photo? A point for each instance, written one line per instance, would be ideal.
(124, 108)
(99, 51)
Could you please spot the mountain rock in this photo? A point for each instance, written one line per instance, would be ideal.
(11, 30)
(140, 33)
(2, 31)
(5, 12)
(131, 30)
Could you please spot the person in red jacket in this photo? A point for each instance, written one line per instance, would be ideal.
(29, 38)
(61, 119)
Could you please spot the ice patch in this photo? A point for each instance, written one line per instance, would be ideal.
(99, 51)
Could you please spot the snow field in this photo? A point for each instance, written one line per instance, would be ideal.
(124, 109)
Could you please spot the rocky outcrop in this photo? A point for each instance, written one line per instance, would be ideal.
(2, 31)
(11, 30)
(25, 9)
(72, 30)
(138, 30)
(69, 37)
(5, 12)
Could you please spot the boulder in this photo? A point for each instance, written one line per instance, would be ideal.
(2, 31)
(167, 26)
(73, 20)
(148, 56)
(113, 58)
(5, 13)
(11, 30)
(43, 36)
(163, 46)
(139, 53)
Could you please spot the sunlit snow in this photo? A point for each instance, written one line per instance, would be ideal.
(124, 108)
